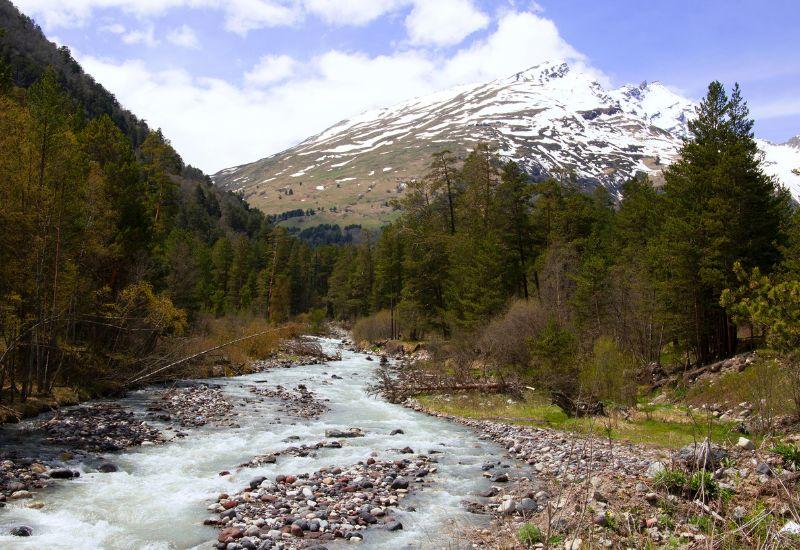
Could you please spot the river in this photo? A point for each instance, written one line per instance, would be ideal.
(158, 499)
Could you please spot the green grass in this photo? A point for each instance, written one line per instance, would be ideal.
(662, 425)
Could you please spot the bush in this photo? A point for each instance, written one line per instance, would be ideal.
(788, 452)
(504, 341)
(670, 479)
(529, 534)
(677, 482)
(702, 483)
(609, 374)
(376, 327)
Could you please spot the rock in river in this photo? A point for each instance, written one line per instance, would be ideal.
(21, 531)
(350, 432)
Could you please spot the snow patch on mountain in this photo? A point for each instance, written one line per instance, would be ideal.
(551, 118)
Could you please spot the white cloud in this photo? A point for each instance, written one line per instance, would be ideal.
(243, 16)
(270, 69)
(68, 13)
(444, 22)
(352, 12)
(114, 28)
(522, 39)
(251, 122)
(146, 36)
(184, 37)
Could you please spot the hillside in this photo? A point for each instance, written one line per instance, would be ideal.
(28, 53)
(552, 118)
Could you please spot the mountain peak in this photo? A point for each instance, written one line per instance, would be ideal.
(541, 73)
(550, 118)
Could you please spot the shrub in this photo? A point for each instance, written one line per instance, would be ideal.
(504, 341)
(374, 328)
(529, 534)
(677, 482)
(702, 483)
(670, 479)
(788, 452)
(608, 375)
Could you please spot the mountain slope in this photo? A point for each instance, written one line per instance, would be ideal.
(24, 47)
(550, 118)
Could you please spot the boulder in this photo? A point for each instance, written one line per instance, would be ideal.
(107, 468)
(527, 506)
(704, 455)
(745, 444)
(64, 473)
(507, 507)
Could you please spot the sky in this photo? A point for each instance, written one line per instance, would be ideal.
(233, 81)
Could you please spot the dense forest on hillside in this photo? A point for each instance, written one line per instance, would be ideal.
(109, 242)
(550, 283)
(27, 54)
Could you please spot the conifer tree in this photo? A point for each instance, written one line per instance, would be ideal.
(720, 207)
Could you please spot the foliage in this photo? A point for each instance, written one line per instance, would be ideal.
(529, 534)
(554, 355)
(107, 251)
(671, 480)
(609, 373)
(772, 305)
(699, 484)
(702, 483)
(788, 452)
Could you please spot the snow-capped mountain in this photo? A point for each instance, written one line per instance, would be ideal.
(551, 118)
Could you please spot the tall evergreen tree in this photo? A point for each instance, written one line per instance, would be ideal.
(720, 207)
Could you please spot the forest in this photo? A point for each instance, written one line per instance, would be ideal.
(578, 290)
(107, 248)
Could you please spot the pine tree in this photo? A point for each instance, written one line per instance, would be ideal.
(720, 207)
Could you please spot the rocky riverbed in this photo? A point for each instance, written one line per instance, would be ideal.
(589, 491)
(97, 427)
(193, 406)
(298, 511)
(299, 403)
(158, 495)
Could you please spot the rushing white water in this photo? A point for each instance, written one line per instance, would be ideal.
(158, 498)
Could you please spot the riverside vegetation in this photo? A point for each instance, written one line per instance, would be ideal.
(116, 258)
